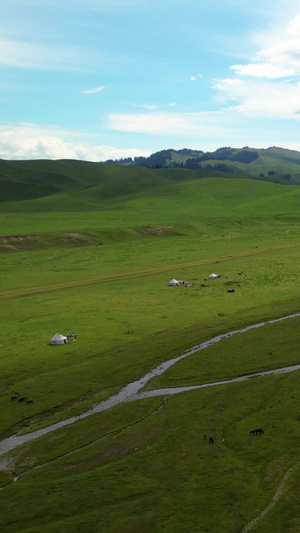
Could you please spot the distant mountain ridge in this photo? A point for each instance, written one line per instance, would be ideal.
(258, 162)
(181, 158)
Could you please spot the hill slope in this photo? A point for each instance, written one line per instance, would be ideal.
(23, 180)
(136, 198)
(272, 161)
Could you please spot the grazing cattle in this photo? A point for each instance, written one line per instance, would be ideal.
(14, 397)
(257, 432)
(230, 290)
(211, 440)
(24, 399)
(205, 437)
(71, 335)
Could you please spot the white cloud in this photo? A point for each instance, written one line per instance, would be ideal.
(96, 90)
(196, 77)
(146, 106)
(230, 88)
(152, 107)
(262, 70)
(261, 98)
(278, 52)
(268, 85)
(162, 123)
(28, 55)
(293, 27)
(208, 131)
(283, 53)
(28, 141)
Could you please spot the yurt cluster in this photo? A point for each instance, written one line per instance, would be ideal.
(59, 339)
(176, 282)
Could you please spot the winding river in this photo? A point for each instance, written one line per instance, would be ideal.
(132, 391)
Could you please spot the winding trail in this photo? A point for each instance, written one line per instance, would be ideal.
(98, 439)
(35, 290)
(276, 497)
(131, 392)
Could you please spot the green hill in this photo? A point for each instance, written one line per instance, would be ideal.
(273, 161)
(99, 198)
(24, 180)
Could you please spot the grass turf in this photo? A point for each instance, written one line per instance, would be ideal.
(108, 283)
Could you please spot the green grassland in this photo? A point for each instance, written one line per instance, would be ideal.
(90, 248)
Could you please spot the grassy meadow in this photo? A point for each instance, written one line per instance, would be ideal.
(90, 249)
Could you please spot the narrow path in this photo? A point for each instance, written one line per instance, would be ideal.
(131, 392)
(105, 436)
(14, 294)
(276, 497)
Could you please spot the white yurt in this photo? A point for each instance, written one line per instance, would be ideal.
(173, 282)
(58, 339)
(213, 276)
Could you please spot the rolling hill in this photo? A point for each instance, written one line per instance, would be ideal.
(23, 180)
(85, 195)
(272, 161)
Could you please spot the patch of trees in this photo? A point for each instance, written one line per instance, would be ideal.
(222, 167)
(122, 161)
(244, 156)
(221, 153)
(159, 159)
(140, 161)
(229, 154)
(164, 158)
(190, 153)
(193, 164)
(286, 177)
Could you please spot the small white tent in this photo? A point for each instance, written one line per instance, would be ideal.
(58, 339)
(213, 276)
(173, 282)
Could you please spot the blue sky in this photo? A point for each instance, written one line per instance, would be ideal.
(100, 79)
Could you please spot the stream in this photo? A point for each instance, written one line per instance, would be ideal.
(131, 392)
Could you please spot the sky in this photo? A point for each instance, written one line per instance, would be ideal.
(106, 79)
